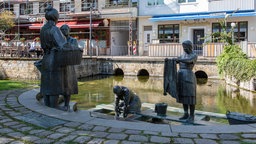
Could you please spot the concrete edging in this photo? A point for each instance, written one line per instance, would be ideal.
(28, 100)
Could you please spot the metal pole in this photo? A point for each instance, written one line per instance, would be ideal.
(90, 42)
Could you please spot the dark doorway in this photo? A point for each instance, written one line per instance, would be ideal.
(198, 40)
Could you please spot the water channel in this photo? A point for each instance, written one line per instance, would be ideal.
(213, 95)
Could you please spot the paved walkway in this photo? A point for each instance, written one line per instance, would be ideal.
(25, 120)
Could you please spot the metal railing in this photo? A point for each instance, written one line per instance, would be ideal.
(154, 50)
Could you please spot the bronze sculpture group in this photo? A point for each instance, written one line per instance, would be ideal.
(58, 75)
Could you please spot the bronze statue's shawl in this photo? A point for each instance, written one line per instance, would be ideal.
(170, 77)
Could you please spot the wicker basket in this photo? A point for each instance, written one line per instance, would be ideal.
(68, 56)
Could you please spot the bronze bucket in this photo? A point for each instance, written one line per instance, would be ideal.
(160, 109)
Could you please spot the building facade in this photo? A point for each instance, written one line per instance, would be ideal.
(103, 27)
(136, 27)
(173, 21)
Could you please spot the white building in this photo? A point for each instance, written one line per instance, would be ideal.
(173, 21)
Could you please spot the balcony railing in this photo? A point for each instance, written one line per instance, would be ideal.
(206, 50)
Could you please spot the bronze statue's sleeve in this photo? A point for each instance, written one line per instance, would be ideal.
(191, 59)
(126, 94)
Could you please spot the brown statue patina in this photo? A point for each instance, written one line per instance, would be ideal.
(126, 101)
(54, 64)
(182, 85)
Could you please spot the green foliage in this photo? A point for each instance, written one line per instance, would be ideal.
(7, 20)
(233, 62)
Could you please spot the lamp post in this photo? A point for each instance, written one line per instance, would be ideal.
(90, 35)
(232, 26)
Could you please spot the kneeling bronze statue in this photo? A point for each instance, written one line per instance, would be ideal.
(126, 101)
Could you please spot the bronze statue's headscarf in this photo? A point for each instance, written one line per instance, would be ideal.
(188, 44)
(51, 13)
(65, 26)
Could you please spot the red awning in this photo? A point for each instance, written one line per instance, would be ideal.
(72, 24)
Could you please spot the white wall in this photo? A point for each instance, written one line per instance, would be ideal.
(199, 6)
(119, 42)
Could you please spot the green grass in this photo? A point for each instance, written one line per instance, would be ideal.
(14, 84)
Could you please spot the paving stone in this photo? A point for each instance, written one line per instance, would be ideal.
(205, 141)
(5, 130)
(40, 120)
(72, 124)
(229, 142)
(82, 139)
(17, 142)
(4, 140)
(188, 135)
(68, 138)
(181, 141)
(6, 120)
(86, 127)
(18, 126)
(44, 133)
(132, 132)
(16, 134)
(170, 134)
(44, 141)
(95, 141)
(229, 136)
(99, 134)
(249, 136)
(139, 138)
(130, 142)
(117, 136)
(55, 135)
(209, 136)
(151, 132)
(23, 129)
(250, 141)
(13, 114)
(111, 142)
(158, 139)
(11, 123)
(36, 131)
(65, 130)
(116, 130)
(30, 138)
(100, 128)
(80, 132)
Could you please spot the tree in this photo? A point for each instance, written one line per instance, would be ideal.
(7, 20)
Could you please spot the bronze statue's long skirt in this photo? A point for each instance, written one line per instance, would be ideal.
(186, 87)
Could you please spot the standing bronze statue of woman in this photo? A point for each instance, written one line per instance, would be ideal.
(182, 84)
(70, 79)
(52, 40)
(186, 81)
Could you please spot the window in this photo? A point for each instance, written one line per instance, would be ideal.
(240, 31)
(6, 6)
(85, 5)
(66, 6)
(26, 8)
(168, 33)
(155, 2)
(186, 1)
(43, 5)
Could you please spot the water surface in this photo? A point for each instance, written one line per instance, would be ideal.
(212, 95)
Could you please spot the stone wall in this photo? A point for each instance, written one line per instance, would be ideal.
(25, 69)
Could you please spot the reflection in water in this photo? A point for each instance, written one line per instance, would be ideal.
(212, 95)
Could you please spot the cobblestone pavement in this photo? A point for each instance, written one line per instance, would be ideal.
(14, 131)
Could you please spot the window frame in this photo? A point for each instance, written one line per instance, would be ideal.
(237, 31)
(168, 33)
